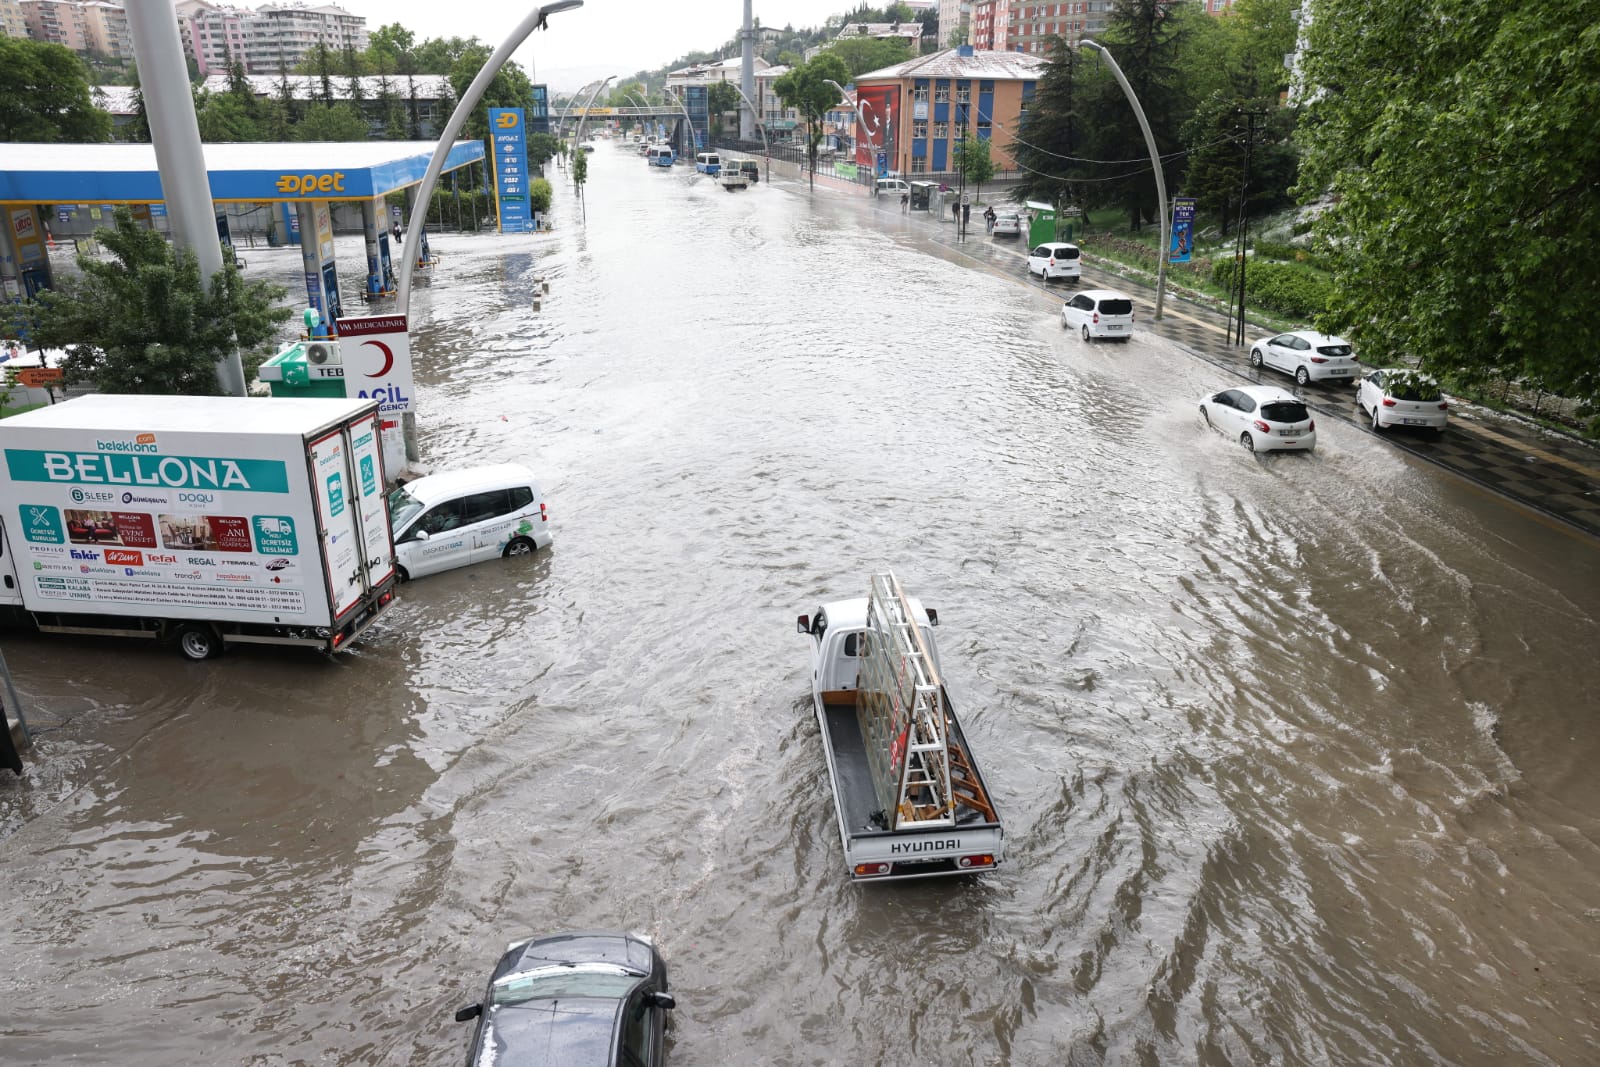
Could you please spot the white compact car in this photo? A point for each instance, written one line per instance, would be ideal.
(1394, 396)
(456, 518)
(1007, 223)
(1055, 259)
(1263, 418)
(1309, 356)
(1099, 313)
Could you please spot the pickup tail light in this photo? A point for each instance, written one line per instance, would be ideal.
(981, 859)
(871, 870)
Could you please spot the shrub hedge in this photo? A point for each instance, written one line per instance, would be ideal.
(1293, 289)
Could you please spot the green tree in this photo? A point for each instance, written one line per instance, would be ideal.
(389, 47)
(540, 195)
(1052, 143)
(541, 147)
(44, 95)
(863, 54)
(1147, 38)
(341, 122)
(142, 322)
(721, 98)
(223, 118)
(805, 88)
(974, 162)
(1462, 178)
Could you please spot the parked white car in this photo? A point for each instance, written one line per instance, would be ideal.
(455, 518)
(1309, 356)
(1263, 418)
(1099, 313)
(1008, 223)
(1055, 259)
(1394, 396)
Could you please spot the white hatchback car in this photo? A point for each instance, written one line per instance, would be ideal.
(1394, 396)
(455, 518)
(1008, 223)
(1055, 259)
(1100, 313)
(1263, 418)
(1309, 356)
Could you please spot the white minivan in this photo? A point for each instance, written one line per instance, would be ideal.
(447, 520)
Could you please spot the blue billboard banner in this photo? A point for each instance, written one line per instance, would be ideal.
(1182, 229)
(511, 168)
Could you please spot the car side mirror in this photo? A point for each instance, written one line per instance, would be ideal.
(803, 624)
(663, 1000)
(471, 1011)
(421, 535)
(933, 617)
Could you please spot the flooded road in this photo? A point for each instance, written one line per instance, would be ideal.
(1296, 753)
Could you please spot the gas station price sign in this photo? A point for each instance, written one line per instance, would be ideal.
(510, 131)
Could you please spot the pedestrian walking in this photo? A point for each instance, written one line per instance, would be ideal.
(955, 212)
(988, 219)
(905, 199)
(966, 216)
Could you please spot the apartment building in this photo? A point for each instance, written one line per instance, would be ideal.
(212, 34)
(280, 36)
(12, 23)
(59, 22)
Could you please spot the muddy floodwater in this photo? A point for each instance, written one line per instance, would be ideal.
(1296, 754)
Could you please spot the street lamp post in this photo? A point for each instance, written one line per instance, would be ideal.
(1155, 161)
(762, 126)
(469, 100)
(577, 138)
(643, 119)
(689, 122)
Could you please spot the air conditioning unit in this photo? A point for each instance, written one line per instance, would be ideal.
(323, 353)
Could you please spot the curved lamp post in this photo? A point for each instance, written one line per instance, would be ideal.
(469, 100)
(643, 119)
(859, 109)
(762, 126)
(577, 138)
(1155, 161)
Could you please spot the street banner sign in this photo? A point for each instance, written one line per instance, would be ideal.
(1182, 229)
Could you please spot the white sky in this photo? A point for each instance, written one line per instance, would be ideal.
(601, 37)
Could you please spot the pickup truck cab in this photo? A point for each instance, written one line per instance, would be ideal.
(908, 796)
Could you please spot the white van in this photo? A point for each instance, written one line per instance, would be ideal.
(448, 520)
(892, 186)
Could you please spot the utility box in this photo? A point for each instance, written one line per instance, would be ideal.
(306, 368)
(1051, 224)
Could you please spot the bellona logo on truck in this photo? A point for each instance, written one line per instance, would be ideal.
(170, 472)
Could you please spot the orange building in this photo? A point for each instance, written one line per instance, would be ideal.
(915, 113)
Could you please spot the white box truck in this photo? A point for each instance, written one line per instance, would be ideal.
(203, 521)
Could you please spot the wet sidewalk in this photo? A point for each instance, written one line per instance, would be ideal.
(1553, 474)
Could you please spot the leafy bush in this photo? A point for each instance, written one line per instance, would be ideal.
(1292, 289)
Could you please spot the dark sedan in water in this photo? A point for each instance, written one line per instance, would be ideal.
(592, 999)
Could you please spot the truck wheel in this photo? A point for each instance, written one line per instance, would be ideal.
(519, 546)
(197, 641)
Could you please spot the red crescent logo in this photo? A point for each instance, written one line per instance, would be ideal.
(388, 359)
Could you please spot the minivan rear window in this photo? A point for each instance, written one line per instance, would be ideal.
(1284, 411)
(1116, 307)
(1066, 253)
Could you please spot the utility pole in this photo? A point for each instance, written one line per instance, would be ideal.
(1250, 116)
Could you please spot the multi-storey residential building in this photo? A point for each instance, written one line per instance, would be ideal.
(105, 28)
(917, 112)
(781, 122)
(1031, 25)
(954, 18)
(909, 32)
(12, 23)
(723, 70)
(280, 36)
(991, 25)
(213, 35)
(56, 22)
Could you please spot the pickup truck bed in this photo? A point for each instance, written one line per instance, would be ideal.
(853, 776)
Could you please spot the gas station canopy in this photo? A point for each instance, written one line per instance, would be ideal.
(238, 172)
